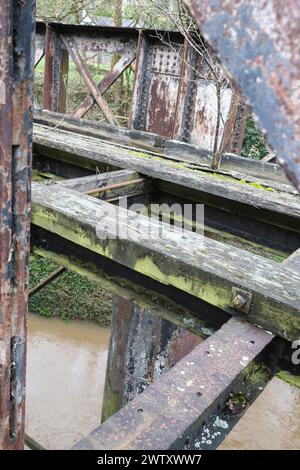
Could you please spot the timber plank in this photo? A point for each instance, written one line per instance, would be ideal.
(293, 261)
(183, 397)
(85, 183)
(158, 167)
(204, 268)
(115, 134)
(173, 149)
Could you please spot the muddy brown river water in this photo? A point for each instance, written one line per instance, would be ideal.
(65, 380)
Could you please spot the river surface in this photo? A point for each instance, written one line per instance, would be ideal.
(65, 380)
(272, 422)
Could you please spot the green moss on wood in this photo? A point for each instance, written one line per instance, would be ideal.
(289, 378)
(208, 172)
(211, 294)
(158, 303)
(257, 375)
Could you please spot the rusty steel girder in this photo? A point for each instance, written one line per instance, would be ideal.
(259, 43)
(16, 80)
(174, 93)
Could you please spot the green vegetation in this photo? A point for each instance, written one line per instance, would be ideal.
(70, 296)
(256, 374)
(118, 96)
(254, 145)
(236, 404)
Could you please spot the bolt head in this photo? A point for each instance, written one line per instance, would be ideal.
(239, 301)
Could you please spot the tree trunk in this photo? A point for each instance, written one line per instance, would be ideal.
(118, 87)
(216, 158)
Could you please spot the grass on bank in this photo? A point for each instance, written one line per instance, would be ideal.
(70, 296)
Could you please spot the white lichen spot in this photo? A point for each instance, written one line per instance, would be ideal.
(220, 423)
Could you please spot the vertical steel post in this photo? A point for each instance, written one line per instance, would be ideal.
(142, 346)
(16, 84)
(55, 72)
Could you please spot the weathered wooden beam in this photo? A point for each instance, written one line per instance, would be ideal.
(229, 225)
(110, 185)
(255, 199)
(230, 162)
(172, 149)
(88, 79)
(117, 135)
(293, 261)
(86, 183)
(170, 412)
(181, 309)
(190, 223)
(105, 83)
(143, 345)
(201, 267)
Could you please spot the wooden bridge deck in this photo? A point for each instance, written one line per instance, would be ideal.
(237, 286)
(194, 279)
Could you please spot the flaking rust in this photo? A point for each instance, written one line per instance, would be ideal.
(16, 80)
(259, 44)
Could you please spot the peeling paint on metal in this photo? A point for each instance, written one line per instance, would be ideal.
(259, 44)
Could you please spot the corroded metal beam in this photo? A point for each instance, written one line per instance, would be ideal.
(173, 95)
(16, 80)
(143, 345)
(259, 43)
(87, 77)
(105, 83)
(172, 410)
